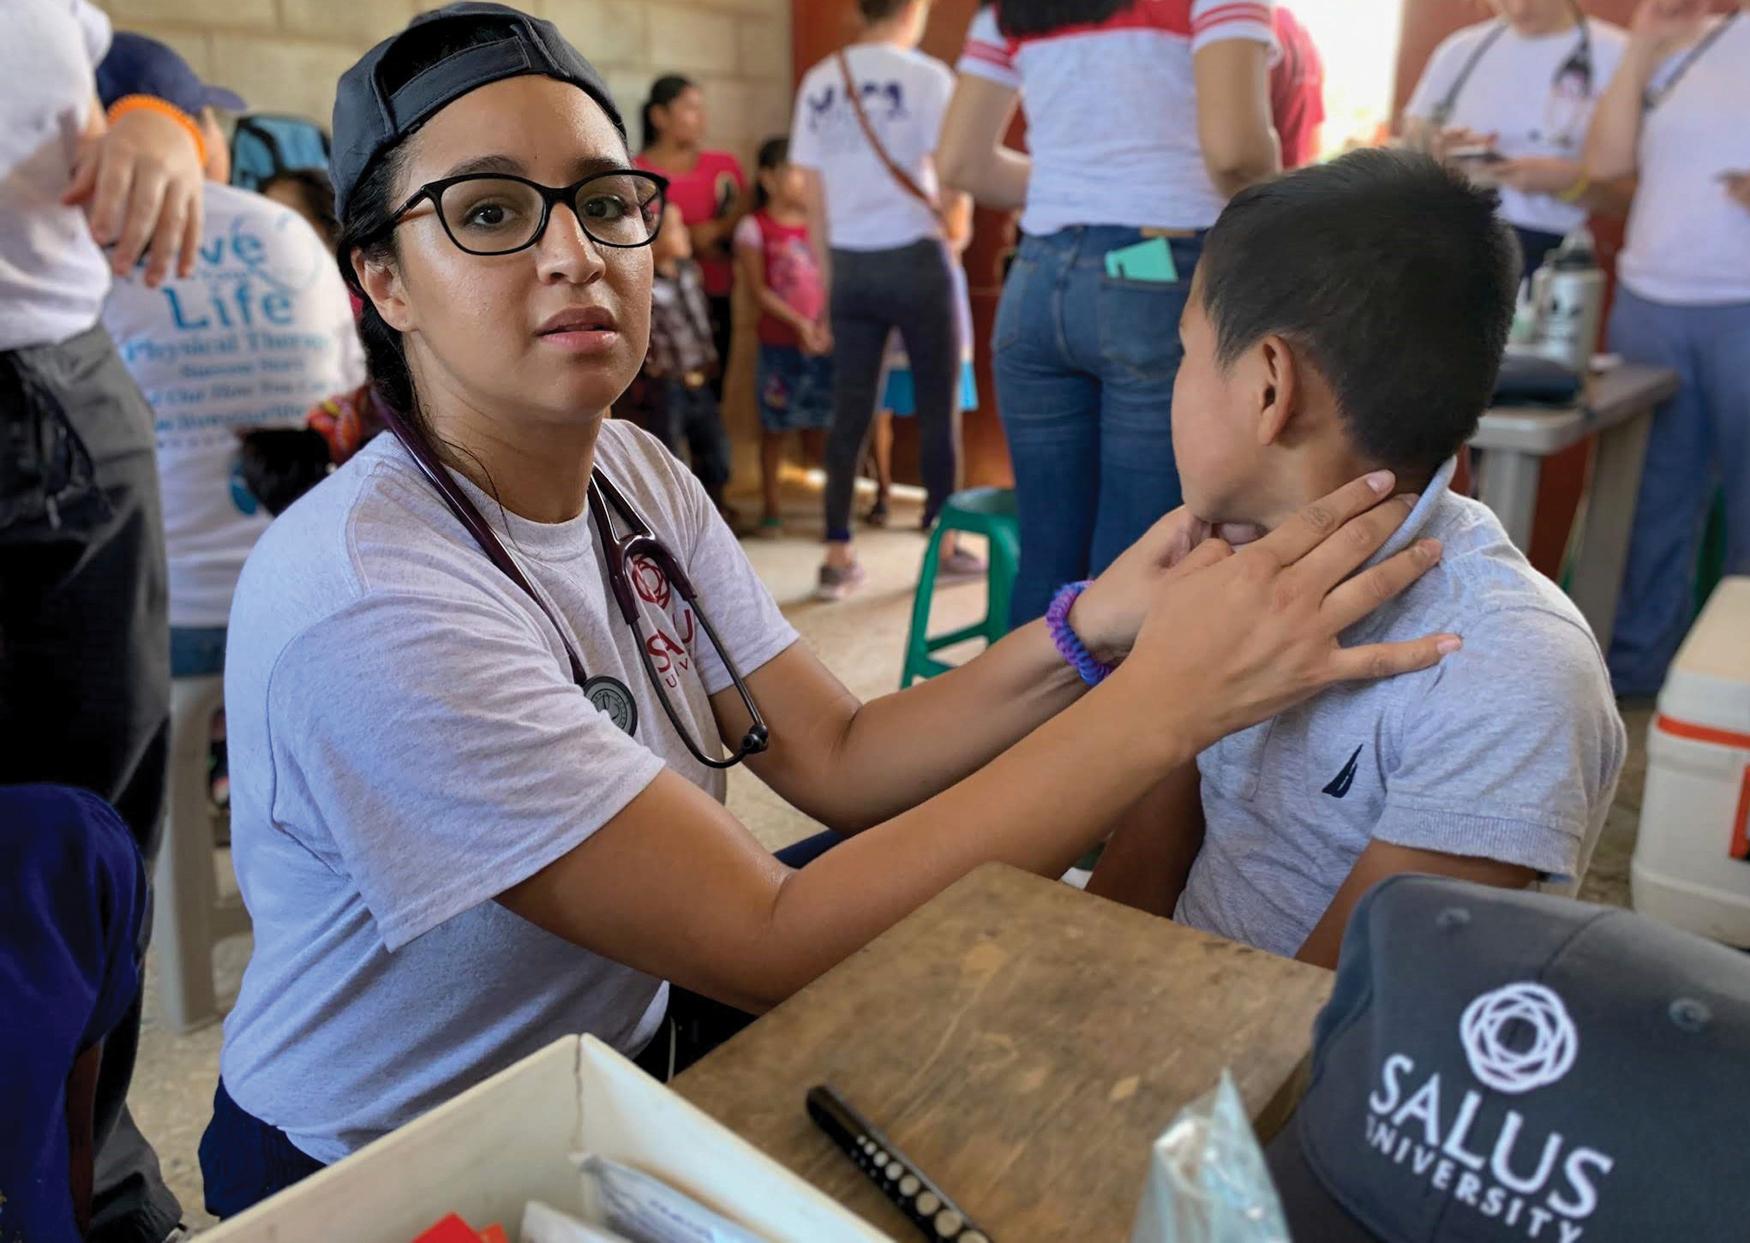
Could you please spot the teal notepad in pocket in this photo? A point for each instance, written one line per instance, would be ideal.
(1145, 261)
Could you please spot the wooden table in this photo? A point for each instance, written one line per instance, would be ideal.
(1514, 440)
(1025, 1044)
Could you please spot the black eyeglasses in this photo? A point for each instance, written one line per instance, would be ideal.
(499, 214)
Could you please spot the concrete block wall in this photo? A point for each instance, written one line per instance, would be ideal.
(285, 55)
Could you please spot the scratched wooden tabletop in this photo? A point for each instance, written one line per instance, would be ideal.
(1024, 1043)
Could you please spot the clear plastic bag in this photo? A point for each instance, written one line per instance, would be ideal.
(1207, 1181)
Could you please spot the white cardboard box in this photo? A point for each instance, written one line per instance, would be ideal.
(511, 1138)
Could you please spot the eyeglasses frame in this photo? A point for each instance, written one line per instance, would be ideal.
(550, 195)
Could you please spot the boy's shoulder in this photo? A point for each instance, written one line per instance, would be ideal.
(1481, 585)
(1529, 664)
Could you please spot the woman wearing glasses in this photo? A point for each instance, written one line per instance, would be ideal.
(484, 679)
(1678, 117)
(1508, 100)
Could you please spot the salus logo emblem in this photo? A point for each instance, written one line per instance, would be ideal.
(1494, 1019)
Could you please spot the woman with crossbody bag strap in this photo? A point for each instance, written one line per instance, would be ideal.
(865, 133)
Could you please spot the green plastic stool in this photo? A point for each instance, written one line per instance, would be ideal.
(989, 512)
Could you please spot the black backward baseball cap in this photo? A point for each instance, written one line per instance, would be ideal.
(1500, 1066)
(377, 103)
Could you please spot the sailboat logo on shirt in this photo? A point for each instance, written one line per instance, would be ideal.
(1342, 781)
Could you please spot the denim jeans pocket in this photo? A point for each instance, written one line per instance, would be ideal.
(1139, 325)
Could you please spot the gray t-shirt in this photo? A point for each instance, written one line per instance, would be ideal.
(1509, 749)
(406, 742)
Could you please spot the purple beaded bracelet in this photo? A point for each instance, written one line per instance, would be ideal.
(1068, 642)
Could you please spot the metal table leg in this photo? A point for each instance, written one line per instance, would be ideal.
(1602, 548)
(1507, 482)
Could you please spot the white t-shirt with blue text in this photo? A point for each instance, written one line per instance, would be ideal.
(1508, 749)
(905, 95)
(406, 742)
(260, 332)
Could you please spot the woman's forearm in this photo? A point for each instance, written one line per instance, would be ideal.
(996, 177)
(1613, 139)
(673, 886)
(972, 156)
(1083, 768)
(901, 749)
(1609, 198)
(1234, 130)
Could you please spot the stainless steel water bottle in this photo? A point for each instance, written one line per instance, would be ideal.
(1568, 293)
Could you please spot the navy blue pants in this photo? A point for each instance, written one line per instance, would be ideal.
(1699, 444)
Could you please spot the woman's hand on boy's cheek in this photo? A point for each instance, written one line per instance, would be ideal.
(1109, 613)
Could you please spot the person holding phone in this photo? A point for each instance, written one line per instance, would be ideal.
(1508, 100)
(1678, 117)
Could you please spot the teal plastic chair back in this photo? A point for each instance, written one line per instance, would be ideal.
(989, 512)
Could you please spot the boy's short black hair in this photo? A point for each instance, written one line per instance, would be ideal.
(1393, 274)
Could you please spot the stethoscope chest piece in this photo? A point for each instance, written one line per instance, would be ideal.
(614, 697)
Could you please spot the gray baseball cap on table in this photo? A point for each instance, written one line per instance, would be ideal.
(378, 102)
(1498, 1066)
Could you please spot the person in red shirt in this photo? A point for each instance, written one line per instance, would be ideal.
(708, 186)
(1297, 91)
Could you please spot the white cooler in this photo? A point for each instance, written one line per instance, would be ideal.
(1692, 859)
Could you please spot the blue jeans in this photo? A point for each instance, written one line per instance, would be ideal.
(1084, 367)
(1700, 441)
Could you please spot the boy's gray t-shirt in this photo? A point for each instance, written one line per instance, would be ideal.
(406, 743)
(1509, 749)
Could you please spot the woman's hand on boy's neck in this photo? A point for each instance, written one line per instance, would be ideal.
(1310, 474)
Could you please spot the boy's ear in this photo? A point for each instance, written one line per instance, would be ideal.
(1278, 389)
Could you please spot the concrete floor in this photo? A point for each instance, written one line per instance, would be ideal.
(860, 640)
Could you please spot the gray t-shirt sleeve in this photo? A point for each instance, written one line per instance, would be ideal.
(1511, 750)
(461, 760)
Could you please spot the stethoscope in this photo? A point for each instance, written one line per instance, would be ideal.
(608, 694)
(1578, 65)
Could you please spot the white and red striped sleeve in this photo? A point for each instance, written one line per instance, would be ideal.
(1215, 20)
(987, 53)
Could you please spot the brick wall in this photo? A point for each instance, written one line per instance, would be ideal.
(285, 55)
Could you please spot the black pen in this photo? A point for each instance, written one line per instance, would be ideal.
(931, 1211)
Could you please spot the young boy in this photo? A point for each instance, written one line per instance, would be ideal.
(673, 398)
(1346, 317)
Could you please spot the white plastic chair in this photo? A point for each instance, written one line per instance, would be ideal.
(188, 916)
